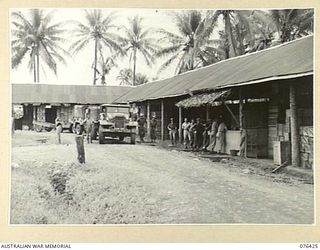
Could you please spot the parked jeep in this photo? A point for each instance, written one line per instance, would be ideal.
(115, 122)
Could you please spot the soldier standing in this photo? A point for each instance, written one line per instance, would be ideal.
(206, 138)
(88, 127)
(153, 126)
(186, 132)
(199, 128)
(141, 122)
(213, 135)
(58, 128)
(192, 133)
(172, 131)
(221, 136)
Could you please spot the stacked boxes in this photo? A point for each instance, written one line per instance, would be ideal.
(306, 146)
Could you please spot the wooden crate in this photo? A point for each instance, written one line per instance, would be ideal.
(281, 152)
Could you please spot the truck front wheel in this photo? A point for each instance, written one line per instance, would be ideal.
(101, 138)
(38, 128)
(133, 139)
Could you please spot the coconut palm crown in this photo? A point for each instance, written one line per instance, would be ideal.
(98, 30)
(191, 47)
(34, 34)
(138, 40)
(292, 23)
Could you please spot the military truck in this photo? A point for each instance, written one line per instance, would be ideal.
(115, 123)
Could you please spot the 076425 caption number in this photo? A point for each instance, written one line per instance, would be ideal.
(309, 246)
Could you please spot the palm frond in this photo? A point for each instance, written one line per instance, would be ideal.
(168, 50)
(168, 62)
(77, 46)
(18, 54)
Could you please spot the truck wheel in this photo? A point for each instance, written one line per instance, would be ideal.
(38, 128)
(79, 129)
(133, 139)
(48, 129)
(101, 138)
(121, 137)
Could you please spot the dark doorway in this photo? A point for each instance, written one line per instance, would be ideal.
(18, 124)
(51, 114)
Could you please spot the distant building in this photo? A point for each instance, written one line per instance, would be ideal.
(44, 102)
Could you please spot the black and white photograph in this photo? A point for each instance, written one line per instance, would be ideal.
(141, 116)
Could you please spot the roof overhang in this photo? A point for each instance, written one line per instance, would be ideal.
(203, 99)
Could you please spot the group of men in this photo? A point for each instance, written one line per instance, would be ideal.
(141, 128)
(208, 136)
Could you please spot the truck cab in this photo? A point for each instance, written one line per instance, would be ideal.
(115, 123)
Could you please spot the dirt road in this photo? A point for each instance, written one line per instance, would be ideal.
(122, 183)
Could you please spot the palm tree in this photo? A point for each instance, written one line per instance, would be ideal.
(192, 47)
(105, 66)
(98, 29)
(125, 77)
(138, 40)
(287, 25)
(239, 30)
(35, 35)
(292, 23)
(141, 79)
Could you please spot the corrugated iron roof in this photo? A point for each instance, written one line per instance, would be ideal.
(82, 94)
(292, 59)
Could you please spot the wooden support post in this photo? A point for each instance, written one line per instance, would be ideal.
(80, 149)
(162, 120)
(59, 131)
(148, 119)
(207, 113)
(241, 109)
(243, 134)
(180, 125)
(295, 147)
(230, 111)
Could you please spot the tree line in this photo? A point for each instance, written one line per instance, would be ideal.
(202, 38)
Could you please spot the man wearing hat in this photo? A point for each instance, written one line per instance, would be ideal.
(141, 122)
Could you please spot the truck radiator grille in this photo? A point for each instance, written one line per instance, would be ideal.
(119, 122)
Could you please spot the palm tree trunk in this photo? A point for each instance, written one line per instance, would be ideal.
(192, 58)
(227, 45)
(95, 61)
(34, 70)
(134, 66)
(229, 36)
(38, 64)
(295, 149)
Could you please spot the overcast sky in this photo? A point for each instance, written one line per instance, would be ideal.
(79, 68)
